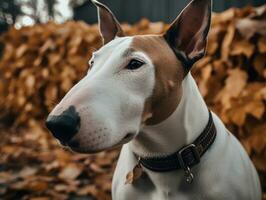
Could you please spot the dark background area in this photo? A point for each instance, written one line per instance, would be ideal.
(132, 11)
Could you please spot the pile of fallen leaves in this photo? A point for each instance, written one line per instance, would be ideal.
(33, 166)
(232, 78)
(40, 64)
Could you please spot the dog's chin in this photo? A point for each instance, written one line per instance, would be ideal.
(84, 150)
(75, 147)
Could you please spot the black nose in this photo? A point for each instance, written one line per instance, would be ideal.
(64, 126)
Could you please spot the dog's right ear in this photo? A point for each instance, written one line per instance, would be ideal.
(108, 24)
(187, 35)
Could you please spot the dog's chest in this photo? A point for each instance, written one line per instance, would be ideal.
(172, 187)
(158, 186)
(225, 167)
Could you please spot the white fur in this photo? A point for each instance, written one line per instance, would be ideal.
(108, 96)
(225, 171)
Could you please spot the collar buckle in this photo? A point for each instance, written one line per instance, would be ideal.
(189, 149)
(185, 162)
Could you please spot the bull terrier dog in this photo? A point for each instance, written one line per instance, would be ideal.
(139, 93)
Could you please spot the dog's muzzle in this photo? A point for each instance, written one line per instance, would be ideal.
(65, 125)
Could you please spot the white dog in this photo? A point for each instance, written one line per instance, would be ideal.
(139, 92)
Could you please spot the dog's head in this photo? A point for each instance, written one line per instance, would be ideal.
(133, 81)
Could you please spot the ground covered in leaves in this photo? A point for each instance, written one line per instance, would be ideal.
(40, 64)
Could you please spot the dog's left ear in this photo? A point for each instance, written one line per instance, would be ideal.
(187, 35)
(108, 24)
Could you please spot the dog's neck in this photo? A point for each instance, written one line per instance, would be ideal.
(185, 124)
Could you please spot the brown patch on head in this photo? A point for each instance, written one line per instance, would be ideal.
(169, 74)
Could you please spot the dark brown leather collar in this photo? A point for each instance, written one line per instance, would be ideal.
(187, 156)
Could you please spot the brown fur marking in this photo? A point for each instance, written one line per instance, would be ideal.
(168, 74)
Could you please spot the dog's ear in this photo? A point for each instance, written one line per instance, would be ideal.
(108, 24)
(187, 35)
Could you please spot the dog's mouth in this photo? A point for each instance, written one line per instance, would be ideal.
(75, 145)
(125, 140)
(128, 137)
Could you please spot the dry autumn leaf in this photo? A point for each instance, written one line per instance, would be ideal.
(70, 172)
(262, 45)
(227, 41)
(242, 47)
(248, 27)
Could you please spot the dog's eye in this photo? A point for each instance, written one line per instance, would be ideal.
(134, 64)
